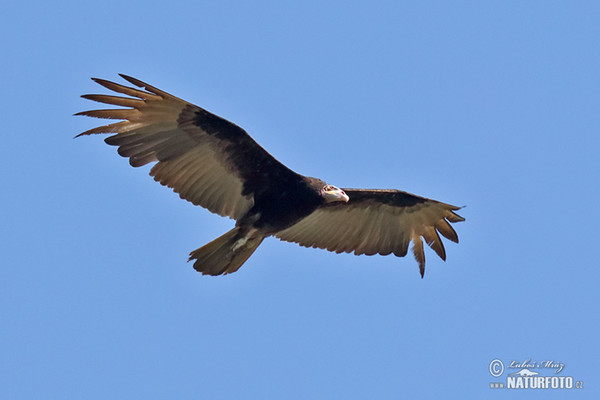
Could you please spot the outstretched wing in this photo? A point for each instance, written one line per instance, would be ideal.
(208, 160)
(377, 222)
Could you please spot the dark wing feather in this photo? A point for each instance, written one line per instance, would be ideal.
(208, 160)
(377, 222)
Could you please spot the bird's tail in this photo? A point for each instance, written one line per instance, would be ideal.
(227, 253)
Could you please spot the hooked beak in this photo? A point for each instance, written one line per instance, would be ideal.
(332, 193)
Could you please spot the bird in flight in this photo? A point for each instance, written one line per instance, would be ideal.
(215, 164)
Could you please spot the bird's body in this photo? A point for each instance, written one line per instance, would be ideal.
(214, 163)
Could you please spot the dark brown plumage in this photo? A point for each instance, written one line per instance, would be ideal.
(215, 164)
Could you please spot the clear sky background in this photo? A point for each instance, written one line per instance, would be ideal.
(489, 104)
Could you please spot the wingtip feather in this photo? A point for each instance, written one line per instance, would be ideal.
(453, 217)
(433, 240)
(133, 80)
(446, 230)
(419, 253)
(143, 85)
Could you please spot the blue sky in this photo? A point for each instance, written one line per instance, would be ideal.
(492, 105)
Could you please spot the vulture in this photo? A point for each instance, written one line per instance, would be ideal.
(215, 164)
